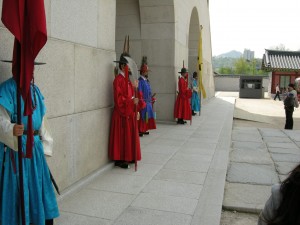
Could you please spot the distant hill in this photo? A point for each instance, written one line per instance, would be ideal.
(232, 54)
(227, 59)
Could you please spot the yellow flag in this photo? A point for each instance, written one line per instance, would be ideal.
(200, 65)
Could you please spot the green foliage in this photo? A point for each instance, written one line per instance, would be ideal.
(238, 66)
(225, 70)
(241, 66)
(222, 62)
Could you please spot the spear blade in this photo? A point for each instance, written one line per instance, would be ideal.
(133, 67)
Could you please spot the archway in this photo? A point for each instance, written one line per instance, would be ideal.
(128, 22)
(151, 29)
(194, 34)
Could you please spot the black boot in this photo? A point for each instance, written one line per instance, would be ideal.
(180, 121)
(49, 222)
(122, 164)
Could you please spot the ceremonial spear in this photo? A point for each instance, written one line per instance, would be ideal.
(26, 20)
(134, 71)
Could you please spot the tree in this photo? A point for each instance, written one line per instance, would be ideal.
(241, 66)
(225, 70)
(280, 47)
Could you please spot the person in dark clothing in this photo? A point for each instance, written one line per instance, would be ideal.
(283, 206)
(289, 103)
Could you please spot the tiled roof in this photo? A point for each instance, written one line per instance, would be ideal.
(274, 60)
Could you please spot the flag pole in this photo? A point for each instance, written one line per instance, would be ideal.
(19, 121)
(20, 158)
(188, 80)
(200, 69)
(135, 128)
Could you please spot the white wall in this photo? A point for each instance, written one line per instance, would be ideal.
(183, 11)
(165, 40)
(76, 83)
(232, 83)
(128, 23)
(157, 25)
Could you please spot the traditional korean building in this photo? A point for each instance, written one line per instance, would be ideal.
(283, 67)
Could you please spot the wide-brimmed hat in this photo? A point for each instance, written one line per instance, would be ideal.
(35, 63)
(183, 70)
(123, 60)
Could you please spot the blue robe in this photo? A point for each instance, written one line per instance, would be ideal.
(145, 89)
(39, 197)
(195, 98)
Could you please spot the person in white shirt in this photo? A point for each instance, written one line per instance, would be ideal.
(277, 93)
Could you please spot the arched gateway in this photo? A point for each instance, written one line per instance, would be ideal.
(167, 33)
(83, 41)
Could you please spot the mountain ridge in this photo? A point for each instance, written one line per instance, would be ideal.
(231, 54)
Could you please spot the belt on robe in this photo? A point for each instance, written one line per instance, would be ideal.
(35, 132)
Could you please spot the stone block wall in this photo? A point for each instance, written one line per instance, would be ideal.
(76, 83)
(84, 38)
(232, 83)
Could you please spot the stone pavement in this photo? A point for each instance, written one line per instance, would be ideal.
(180, 180)
(259, 158)
(262, 153)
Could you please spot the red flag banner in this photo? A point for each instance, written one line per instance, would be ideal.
(26, 20)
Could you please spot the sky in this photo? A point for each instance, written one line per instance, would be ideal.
(254, 24)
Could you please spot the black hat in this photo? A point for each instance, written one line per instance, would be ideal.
(123, 60)
(183, 70)
(35, 63)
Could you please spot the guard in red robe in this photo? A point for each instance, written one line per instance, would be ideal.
(124, 142)
(182, 109)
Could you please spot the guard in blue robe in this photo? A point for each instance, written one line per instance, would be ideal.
(147, 120)
(195, 96)
(39, 197)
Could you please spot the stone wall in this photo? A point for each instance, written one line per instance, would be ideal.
(76, 83)
(232, 83)
(83, 41)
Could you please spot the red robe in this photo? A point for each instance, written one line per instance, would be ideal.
(182, 109)
(124, 136)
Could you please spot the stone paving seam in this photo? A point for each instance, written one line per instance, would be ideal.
(206, 211)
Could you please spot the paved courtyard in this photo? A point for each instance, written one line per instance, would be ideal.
(215, 171)
(262, 153)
